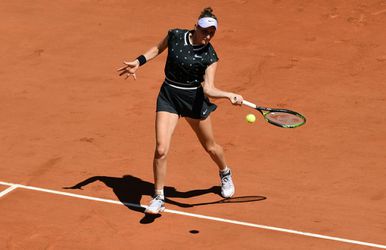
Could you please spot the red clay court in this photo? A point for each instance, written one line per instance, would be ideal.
(77, 141)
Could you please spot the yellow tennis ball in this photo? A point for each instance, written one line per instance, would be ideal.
(251, 118)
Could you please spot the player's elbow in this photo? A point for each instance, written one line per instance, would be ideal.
(208, 90)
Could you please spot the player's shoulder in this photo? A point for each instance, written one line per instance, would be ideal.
(177, 32)
(210, 49)
(211, 54)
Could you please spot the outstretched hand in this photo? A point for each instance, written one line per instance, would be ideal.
(129, 69)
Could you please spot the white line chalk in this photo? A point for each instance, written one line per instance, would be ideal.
(10, 189)
(247, 224)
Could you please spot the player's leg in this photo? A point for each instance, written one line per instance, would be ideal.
(204, 132)
(165, 125)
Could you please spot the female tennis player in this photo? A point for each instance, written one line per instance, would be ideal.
(189, 80)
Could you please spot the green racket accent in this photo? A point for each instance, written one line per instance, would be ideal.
(283, 118)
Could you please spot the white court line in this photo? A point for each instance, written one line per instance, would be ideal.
(10, 189)
(320, 236)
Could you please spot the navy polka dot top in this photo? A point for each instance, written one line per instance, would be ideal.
(186, 64)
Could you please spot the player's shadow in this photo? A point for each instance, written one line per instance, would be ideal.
(130, 189)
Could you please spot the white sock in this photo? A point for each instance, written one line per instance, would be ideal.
(160, 192)
(225, 170)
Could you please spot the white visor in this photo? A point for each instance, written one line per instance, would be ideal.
(206, 22)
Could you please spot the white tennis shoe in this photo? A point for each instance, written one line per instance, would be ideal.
(227, 186)
(156, 206)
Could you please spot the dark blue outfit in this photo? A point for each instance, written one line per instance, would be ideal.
(182, 93)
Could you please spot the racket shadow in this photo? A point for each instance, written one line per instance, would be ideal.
(130, 190)
(238, 199)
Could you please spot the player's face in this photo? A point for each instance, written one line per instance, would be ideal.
(204, 35)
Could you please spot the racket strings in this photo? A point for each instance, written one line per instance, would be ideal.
(285, 119)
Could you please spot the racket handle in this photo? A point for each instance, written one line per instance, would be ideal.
(249, 104)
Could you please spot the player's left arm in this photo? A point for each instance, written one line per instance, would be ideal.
(210, 89)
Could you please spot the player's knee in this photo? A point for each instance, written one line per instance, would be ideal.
(161, 151)
(213, 148)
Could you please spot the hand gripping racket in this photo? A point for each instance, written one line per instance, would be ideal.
(279, 117)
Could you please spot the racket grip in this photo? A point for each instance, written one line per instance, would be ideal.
(249, 104)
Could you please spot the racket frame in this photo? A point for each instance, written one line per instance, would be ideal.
(264, 111)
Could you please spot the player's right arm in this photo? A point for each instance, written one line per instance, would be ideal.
(154, 51)
(131, 67)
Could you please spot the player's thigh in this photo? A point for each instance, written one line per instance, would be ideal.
(165, 125)
(203, 130)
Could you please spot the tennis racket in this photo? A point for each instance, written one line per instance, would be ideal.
(284, 118)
